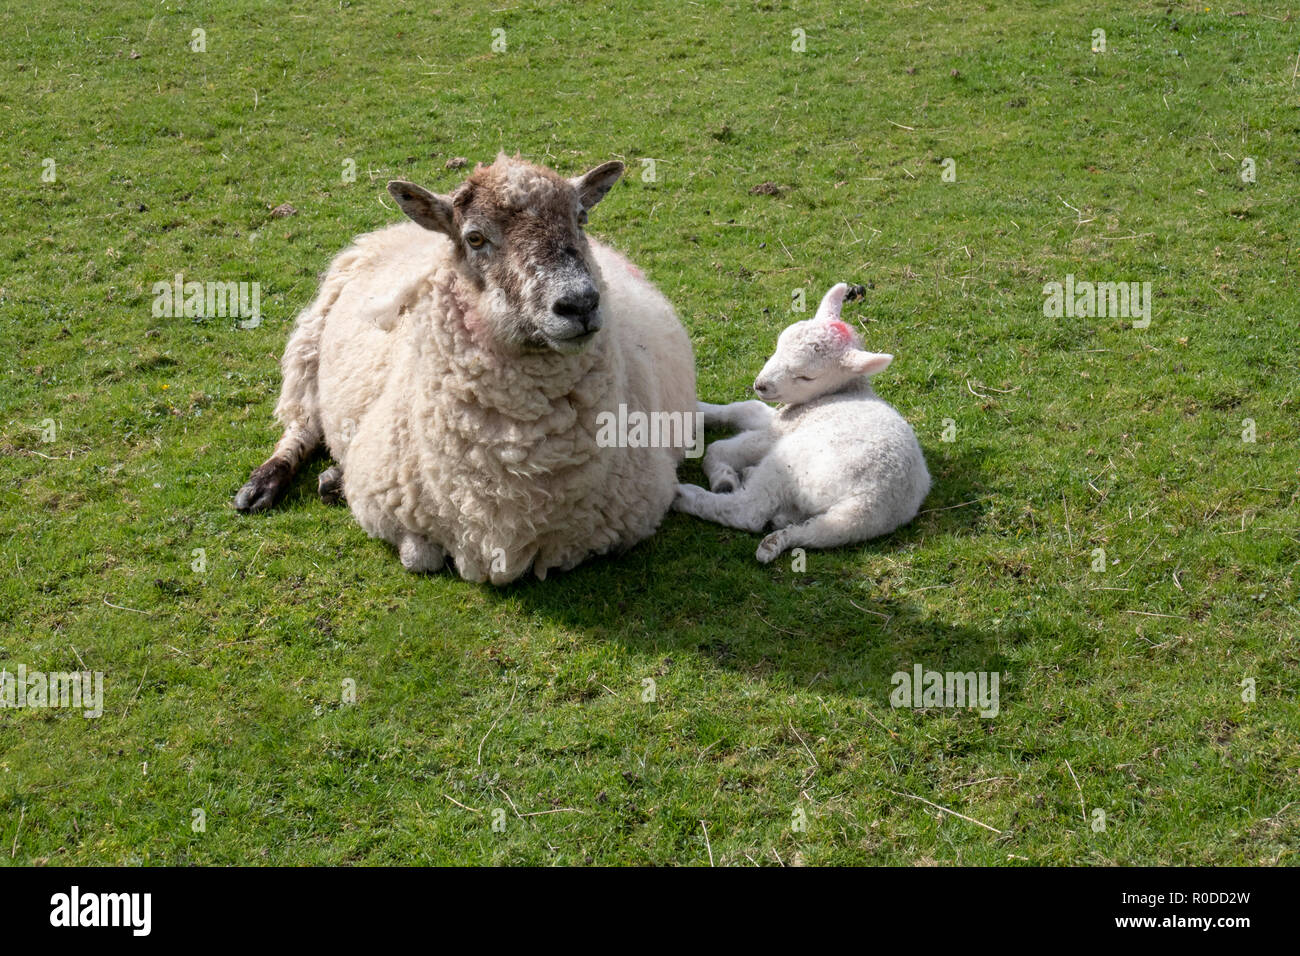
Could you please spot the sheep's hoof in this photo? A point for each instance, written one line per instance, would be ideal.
(419, 556)
(770, 547)
(330, 485)
(264, 486)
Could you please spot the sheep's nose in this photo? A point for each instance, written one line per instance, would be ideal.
(579, 308)
(762, 388)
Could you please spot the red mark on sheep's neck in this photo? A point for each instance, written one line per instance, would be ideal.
(467, 315)
(471, 320)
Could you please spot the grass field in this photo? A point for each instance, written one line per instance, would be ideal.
(225, 737)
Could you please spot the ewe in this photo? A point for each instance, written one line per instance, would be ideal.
(833, 466)
(455, 366)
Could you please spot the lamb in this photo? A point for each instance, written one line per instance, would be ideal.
(456, 367)
(834, 465)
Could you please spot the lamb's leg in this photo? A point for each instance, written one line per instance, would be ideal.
(330, 485)
(726, 459)
(740, 416)
(844, 522)
(419, 555)
(748, 509)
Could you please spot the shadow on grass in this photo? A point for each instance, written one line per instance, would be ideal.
(697, 588)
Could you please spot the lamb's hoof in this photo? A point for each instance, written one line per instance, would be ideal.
(330, 485)
(770, 548)
(264, 486)
(419, 556)
(685, 497)
(724, 481)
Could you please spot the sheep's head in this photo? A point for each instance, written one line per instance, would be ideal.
(518, 235)
(817, 357)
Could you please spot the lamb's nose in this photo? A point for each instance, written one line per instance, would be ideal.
(579, 308)
(762, 388)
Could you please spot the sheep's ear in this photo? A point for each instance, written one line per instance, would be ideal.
(865, 363)
(829, 310)
(429, 210)
(593, 184)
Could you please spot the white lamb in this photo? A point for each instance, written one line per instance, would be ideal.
(834, 465)
(456, 366)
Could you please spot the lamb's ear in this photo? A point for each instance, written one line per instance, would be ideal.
(865, 363)
(829, 310)
(593, 184)
(429, 210)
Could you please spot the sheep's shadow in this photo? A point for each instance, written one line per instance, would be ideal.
(959, 494)
(697, 588)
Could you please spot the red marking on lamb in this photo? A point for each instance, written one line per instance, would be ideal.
(632, 270)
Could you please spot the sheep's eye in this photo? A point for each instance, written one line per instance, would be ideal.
(802, 378)
(476, 240)
(582, 218)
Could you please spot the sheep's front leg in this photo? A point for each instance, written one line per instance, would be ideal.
(748, 509)
(269, 481)
(842, 523)
(726, 459)
(419, 555)
(330, 485)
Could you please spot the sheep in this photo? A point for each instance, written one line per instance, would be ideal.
(834, 465)
(457, 368)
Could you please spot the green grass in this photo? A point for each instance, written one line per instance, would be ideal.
(1120, 690)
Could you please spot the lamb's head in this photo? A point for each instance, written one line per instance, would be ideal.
(817, 357)
(517, 230)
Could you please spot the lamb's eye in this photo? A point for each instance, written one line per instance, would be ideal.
(582, 218)
(476, 240)
(802, 378)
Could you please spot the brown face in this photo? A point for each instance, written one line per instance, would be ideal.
(518, 236)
